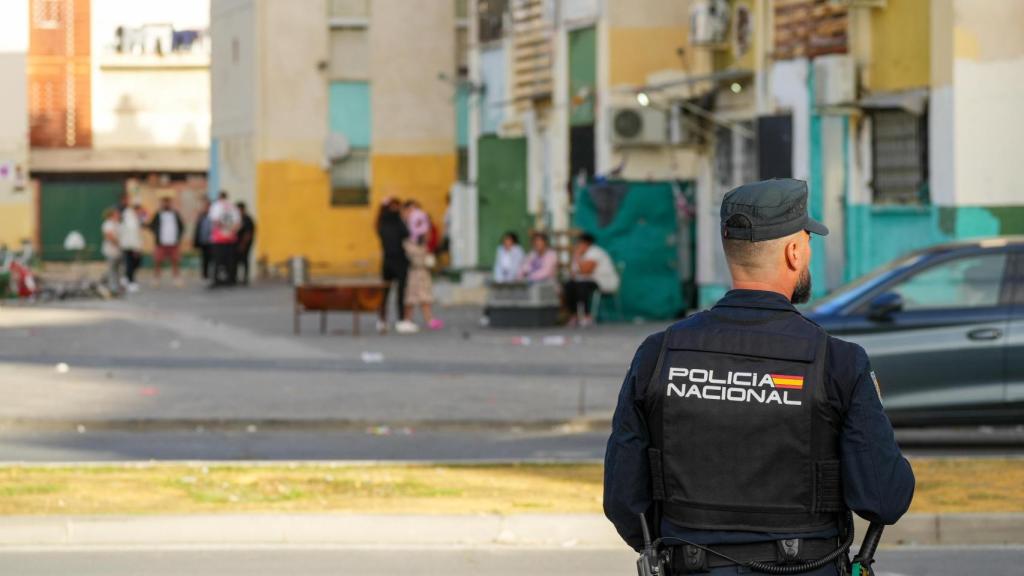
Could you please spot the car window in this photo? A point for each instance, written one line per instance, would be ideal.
(848, 293)
(972, 282)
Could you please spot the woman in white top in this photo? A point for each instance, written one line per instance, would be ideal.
(509, 259)
(592, 269)
(111, 247)
(131, 243)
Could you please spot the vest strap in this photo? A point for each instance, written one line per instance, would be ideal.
(657, 475)
(828, 487)
(655, 429)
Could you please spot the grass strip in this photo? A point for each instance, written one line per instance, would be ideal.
(943, 486)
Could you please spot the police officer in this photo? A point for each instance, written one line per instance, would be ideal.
(746, 429)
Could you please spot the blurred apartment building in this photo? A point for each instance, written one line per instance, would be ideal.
(105, 97)
(320, 113)
(632, 119)
(17, 205)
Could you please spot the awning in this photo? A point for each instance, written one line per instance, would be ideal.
(687, 79)
(913, 101)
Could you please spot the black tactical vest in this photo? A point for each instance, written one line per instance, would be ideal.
(742, 434)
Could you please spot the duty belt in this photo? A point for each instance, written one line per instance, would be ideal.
(688, 559)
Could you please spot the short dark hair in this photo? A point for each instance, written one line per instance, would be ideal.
(240, 205)
(223, 194)
(512, 235)
(542, 236)
(747, 253)
(588, 238)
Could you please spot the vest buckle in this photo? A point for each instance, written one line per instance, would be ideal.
(788, 549)
(695, 559)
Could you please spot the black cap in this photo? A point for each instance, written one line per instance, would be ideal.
(767, 210)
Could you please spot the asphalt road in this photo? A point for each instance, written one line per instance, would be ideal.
(386, 443)
(374, 444)
(493, 562)
(176, 374)
(200, 357)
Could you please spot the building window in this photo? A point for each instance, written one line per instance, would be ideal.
(350, 179)
(349, 57)
(46, 13)
(491, 19)
(462, 52)
(348, 9)
(735, 156)
(462, 164)
(899, 141)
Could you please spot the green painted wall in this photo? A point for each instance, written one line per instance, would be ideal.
(67, 206)
(501, 193)
(582, 75)
(878, 234)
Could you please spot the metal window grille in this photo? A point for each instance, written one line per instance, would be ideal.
(900, 165)
(491, 16)
(350, 179)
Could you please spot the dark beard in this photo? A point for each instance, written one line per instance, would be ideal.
(802, 292)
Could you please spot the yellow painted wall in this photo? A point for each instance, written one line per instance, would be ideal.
(901, 45)
(426, 178)
(17, 223)
(295, 218)
(637, 52)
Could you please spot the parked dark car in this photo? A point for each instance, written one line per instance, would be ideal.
(944, 328)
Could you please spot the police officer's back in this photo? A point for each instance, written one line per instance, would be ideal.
(746, 427)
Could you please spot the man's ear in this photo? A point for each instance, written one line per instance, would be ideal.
(793, 255)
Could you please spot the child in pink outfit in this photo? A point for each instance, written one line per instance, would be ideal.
(417, 221)
(419, 289)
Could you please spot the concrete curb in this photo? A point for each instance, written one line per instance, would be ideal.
(469, 531)
(252, 425)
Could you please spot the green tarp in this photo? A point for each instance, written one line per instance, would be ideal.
(636, 223)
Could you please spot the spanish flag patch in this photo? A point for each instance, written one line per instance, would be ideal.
(788, 382)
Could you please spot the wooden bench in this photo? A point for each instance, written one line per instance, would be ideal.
(354, 297)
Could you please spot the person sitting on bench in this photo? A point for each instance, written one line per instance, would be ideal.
(592, 269)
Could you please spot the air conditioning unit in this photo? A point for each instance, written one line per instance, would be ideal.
(639, 126)
(835, 80)
(709, 22)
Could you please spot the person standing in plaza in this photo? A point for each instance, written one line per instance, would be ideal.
(168, 228)
(392, 231)
(111, 247)
(201, 238)
(419, 290)
(130, 241)
(246, 234)
(416, 220)
(224, 223)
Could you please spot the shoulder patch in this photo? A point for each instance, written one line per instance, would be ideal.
(878, 389)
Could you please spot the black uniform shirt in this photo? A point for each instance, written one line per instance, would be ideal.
(878, 483)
